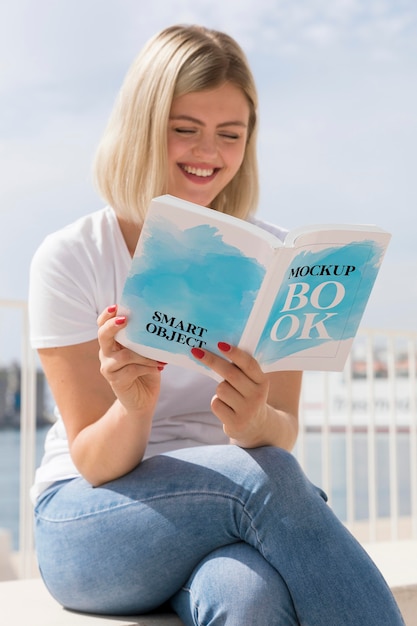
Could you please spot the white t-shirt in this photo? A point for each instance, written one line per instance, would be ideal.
(75, 274)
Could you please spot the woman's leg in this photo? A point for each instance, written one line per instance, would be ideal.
(235, 586)
(131, 544)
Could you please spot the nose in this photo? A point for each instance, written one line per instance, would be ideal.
(206, 146)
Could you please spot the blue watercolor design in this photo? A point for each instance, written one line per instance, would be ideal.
(195, 277)
(343, 325)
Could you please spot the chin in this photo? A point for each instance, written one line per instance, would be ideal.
(198, 198)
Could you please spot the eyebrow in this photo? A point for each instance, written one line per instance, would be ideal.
(189, 118)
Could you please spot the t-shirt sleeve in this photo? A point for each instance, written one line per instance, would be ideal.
(62, 304)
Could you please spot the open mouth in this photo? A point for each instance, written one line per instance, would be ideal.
(199, 172)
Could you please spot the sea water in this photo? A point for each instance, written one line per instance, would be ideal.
(10, 477)
(313, 463)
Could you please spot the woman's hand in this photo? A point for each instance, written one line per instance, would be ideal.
(255, 408)
(135, 380)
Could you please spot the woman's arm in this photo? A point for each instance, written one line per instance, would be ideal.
(106, 395)
(256, 409)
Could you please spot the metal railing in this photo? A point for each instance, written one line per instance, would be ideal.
(27, 436)
(373, 404)
(375, 395)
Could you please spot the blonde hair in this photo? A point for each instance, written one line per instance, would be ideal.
(131, 161)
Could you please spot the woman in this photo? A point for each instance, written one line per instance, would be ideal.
(157, 484)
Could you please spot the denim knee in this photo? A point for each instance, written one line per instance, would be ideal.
(232, 586)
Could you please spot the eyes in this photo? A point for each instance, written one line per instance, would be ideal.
(188, 131)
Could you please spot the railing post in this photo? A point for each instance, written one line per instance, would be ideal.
(325, 441)
(27, 451)
(349, 469)
(372, 483)
(393, 438)
(412, 373)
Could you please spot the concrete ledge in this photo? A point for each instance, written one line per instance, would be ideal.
(25, 602)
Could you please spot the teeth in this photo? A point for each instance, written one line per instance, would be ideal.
(197, 171)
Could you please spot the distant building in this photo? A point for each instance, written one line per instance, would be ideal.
(10, 398)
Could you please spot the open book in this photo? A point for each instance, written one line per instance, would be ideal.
(199, 277)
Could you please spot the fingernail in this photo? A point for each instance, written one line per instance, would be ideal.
(120, 320)
(160, 367)
(224, 347)
(112, 308)
(197, 352)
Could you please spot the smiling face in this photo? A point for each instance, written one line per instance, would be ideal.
(207, 134)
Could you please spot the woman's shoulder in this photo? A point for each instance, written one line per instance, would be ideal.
(86, 226)
(87, 235)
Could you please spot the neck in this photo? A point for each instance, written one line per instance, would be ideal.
(130, 232)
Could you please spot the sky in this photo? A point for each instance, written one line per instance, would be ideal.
(337, 82)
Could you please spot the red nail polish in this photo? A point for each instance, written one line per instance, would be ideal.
(160, 367)
(197, 353)
(112, 308)
(120, 320)
(224, 347)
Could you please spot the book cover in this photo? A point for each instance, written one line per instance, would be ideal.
(199, 277)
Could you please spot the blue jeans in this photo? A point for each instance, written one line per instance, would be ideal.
(228, 536)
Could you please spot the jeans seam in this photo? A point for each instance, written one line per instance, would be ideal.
(42, 517)
(195, 605)
(259, 543)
